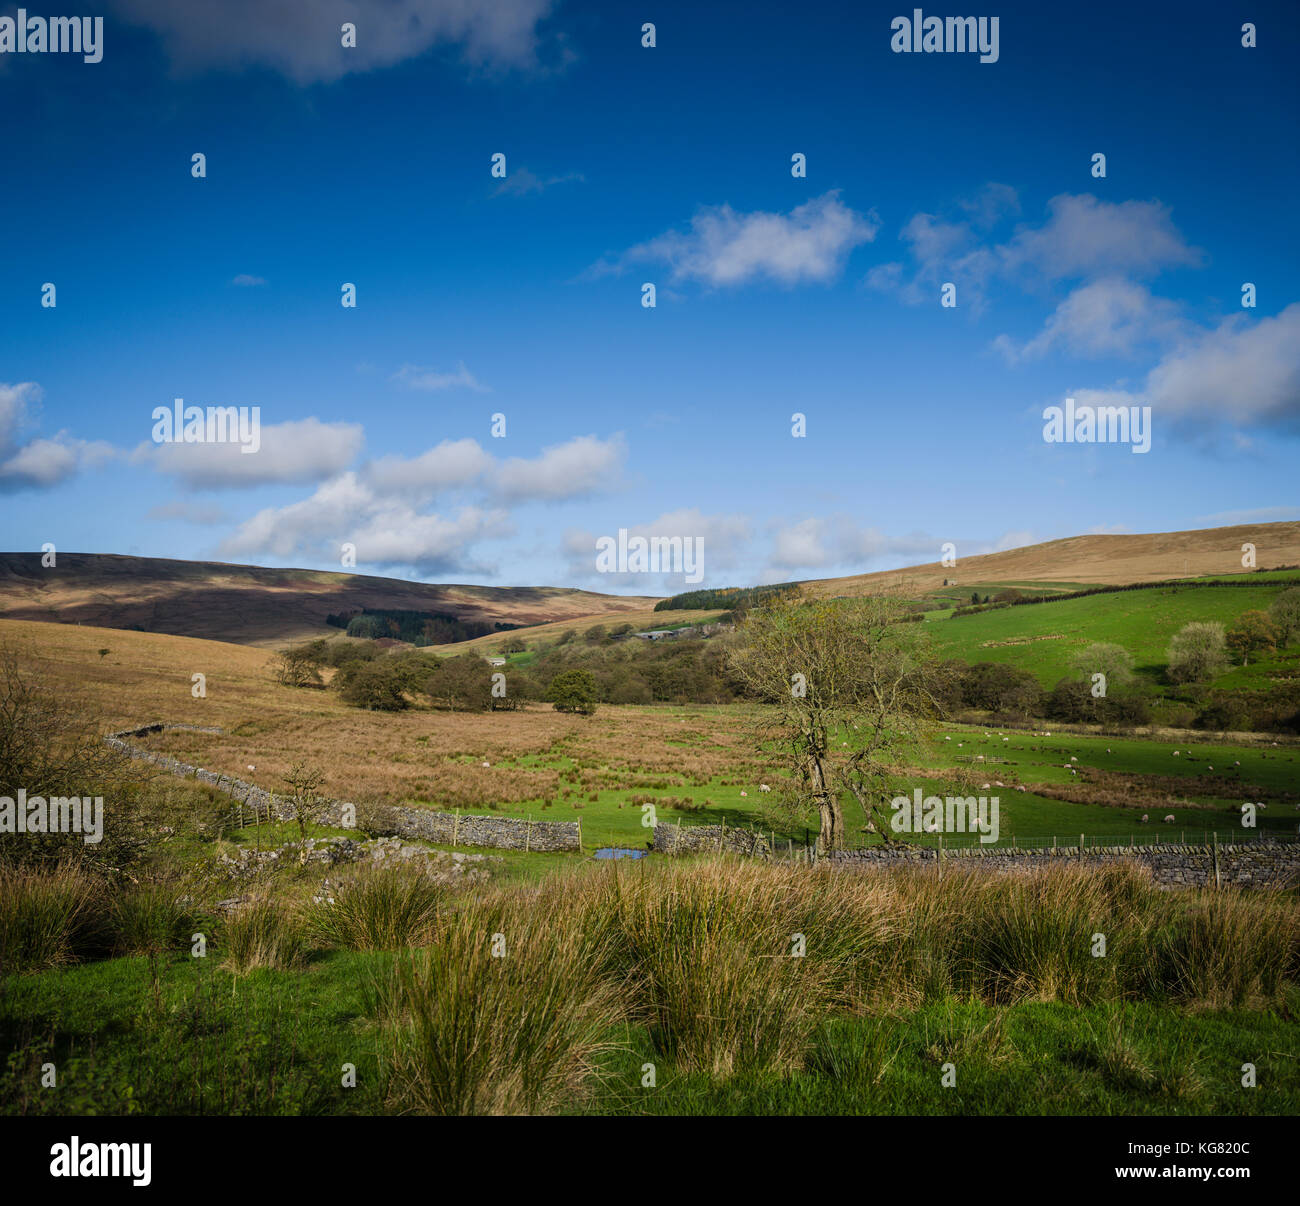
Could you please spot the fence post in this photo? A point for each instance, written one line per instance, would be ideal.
(579, 835)
(528, 836)
(455, 829)
(1216, 860)
(1080, 845)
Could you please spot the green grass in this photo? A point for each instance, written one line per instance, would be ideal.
(1143, 621)
(1028, 1059)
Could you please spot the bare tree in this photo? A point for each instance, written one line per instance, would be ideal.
(846, 685)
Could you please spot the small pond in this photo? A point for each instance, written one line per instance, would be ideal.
(619, 852)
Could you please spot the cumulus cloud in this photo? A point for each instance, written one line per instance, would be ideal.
(494, 34)
(246, 281)
(414, 377)
(1086, 237)
(302, 450)
(1082, 238)
(452, 464)
(1239, 374)
(820, 542)
(725, 539)
(43, 461)
(724, 247)
(581, 466)
(1110, 317)
(386, 532)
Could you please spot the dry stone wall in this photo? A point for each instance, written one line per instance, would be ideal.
(1252, 865)
(386, 820)
(709, 839)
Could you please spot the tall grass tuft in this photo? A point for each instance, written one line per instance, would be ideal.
(261, 934)
(49, 918)
(380, 908)
(151, 919)
(468, 1031)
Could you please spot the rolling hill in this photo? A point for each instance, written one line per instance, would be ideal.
(251, 605)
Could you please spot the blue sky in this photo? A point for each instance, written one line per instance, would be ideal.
(627, 165)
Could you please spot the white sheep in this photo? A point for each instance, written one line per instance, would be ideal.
(1169, 820)
(487, 764)
(252, 768)
(763, 787)
(744, 795)
(1145, 818)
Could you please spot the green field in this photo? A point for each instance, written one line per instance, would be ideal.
(1042, 637)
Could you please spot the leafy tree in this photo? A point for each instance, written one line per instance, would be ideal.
(379, 685)
(573, 691)
(846, 687)
(299, 665)
(1197, 652)
(1252, 631)
(1284, 611)
(1101, 657)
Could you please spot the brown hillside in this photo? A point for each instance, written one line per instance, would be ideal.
(250, 605)
(1112, 560)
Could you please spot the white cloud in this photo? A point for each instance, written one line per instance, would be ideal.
(824, 542)
(386, 532)
(1239, 374)
(303, 450)
(246, 281)
(1081, 238)
(452, 464)
(1110, 317)
(724, 247)
(725, 538)
(1086, 237)
(583, 465)
(41, 462)
(414, 377)
(273, 33)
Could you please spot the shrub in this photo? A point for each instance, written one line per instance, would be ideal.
(573, 691)
(1197, 652)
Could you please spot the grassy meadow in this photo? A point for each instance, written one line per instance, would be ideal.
(679, 973)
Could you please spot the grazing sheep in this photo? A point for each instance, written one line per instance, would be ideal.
(1169, 820)
(744, 795)
(1175, 753)
(998, 783)
(1144, 818)
(763, 787)
(252, 768)
(487, 764)
(1021, 788)
(1073, 759)
(984, 786)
